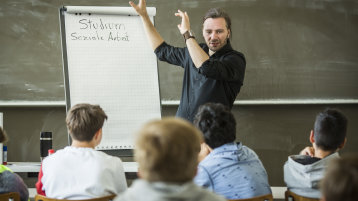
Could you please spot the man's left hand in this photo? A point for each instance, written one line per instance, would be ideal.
(185, 24)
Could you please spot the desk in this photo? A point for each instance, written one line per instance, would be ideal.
(278, 192)
(35, 166)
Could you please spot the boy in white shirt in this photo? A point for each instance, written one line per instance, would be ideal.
(79, 171)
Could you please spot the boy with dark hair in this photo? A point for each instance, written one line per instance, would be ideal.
(227, 167)
(303, 172)
(78, 171)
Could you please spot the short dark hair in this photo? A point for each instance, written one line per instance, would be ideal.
(330, 129)
(341, 179)
(84, 120)
(217, 124)
(217, 13)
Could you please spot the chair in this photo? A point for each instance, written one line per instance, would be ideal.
(12, 196)
(267, 197)
(44, 198)
(291, 196)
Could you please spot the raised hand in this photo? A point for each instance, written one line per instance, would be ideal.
(141, 7)
(185, 24)
(204, 151)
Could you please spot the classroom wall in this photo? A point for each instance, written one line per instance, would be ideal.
(296, 50)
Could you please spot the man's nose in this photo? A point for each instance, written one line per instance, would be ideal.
(214, 35)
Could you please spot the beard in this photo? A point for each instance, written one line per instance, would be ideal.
(215, 45)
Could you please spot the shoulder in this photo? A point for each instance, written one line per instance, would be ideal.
(4, 168)
(233, 54)
(11, 180)
(206, 195)
(55, 157)
(208, 161)
(7, 175)
(297, 161)
(99, 155)
(250, 153)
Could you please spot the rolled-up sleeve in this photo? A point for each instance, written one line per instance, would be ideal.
(173, 55)
(229, 67)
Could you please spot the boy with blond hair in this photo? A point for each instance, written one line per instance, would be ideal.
(167, 155)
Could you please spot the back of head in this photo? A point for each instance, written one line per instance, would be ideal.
(217, 124)
(84, 120)
(167, 150)
(341, 179)
(3, 136)
(330, 129)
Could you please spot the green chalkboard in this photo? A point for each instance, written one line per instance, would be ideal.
(295, 49)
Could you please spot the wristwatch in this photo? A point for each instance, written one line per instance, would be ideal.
(188, 34)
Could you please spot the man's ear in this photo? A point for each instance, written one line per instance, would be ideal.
(312, 137)
(343, 143)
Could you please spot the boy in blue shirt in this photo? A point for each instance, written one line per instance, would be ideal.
(227, 167)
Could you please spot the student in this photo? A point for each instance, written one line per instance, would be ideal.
(167, 155)
(227, 167)
(303, 172)
(9, 181)
(213, 72)
(340, 181)
(78, 171)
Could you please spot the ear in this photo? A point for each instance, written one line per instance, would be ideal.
(98, 135)
(312, 137)
(343, 143)
(228, 35)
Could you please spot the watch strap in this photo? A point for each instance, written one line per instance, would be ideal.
(188, 35)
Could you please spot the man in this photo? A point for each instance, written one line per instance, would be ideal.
(302, 173)
(79, 171)
(341, 179)
(167, 154)
(213, 72)
(227, 168)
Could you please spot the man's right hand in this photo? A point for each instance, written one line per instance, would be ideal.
(309, 151)
(140, 8)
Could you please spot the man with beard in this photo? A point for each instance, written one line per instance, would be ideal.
(213, 72)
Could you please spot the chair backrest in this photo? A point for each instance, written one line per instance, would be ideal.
(12, 196)
(267, 197)
(291, 196)
(44, 198)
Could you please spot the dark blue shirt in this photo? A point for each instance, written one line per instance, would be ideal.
(218, 80)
